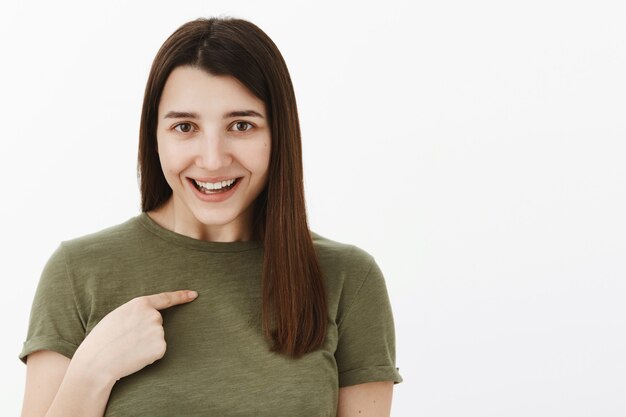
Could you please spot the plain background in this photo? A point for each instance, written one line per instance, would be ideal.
(476, 149)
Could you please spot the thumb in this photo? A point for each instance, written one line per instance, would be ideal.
(169, 299)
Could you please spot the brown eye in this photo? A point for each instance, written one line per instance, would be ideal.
(242, 126)
(183, 127)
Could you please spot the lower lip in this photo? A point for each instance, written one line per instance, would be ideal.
(213, 198)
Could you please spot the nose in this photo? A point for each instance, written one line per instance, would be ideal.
(213, 152)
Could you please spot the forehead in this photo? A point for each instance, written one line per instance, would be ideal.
(193, 89)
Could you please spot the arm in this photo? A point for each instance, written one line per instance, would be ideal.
(126, 340)
(366, 347)
(56, 386)
(372, 399)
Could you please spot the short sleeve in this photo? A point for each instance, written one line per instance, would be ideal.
(366, 350)
(55, 322)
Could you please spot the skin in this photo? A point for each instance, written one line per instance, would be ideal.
(211, 140)
(56, 386)
(223, 134)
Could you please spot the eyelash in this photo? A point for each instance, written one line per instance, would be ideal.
(249, 126)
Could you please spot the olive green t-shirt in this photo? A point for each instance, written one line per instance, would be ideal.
(217, 361)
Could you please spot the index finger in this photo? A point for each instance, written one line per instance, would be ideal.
(169, 299)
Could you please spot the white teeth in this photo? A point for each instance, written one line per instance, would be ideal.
(215, 185)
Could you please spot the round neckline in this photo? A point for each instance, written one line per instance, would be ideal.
(191, 243)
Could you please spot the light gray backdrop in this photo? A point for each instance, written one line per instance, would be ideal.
(476, 149)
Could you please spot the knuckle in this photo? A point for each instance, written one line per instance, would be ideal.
(161, 348)
(156, 316)
(140, 302)
(169, 298)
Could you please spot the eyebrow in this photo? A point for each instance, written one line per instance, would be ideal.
(192, 115)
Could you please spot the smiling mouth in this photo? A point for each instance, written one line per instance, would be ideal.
(214, 187)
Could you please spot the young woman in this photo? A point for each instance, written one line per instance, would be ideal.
(262, 317)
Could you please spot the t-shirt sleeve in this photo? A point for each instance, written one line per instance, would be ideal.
(366, 350)
(55, 322)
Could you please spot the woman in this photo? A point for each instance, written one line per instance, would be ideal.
(272, 319)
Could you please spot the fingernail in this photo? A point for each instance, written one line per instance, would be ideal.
(192, 294)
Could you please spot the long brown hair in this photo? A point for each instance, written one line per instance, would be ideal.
(294, 298)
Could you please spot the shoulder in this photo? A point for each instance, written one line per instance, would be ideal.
(349, 274)
(111, 240)
(348, 257)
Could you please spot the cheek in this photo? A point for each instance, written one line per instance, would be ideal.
(173, 159)
(258, 158)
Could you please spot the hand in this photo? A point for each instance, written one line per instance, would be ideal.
(130, 337)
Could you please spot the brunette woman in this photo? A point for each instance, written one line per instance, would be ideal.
(262, 317)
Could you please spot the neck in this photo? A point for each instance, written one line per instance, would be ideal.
(179, 219)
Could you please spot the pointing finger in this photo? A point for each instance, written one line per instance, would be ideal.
(169, 299)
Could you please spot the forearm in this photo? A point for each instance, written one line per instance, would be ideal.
(81, 394)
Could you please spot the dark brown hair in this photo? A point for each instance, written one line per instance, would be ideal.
(294, 298)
